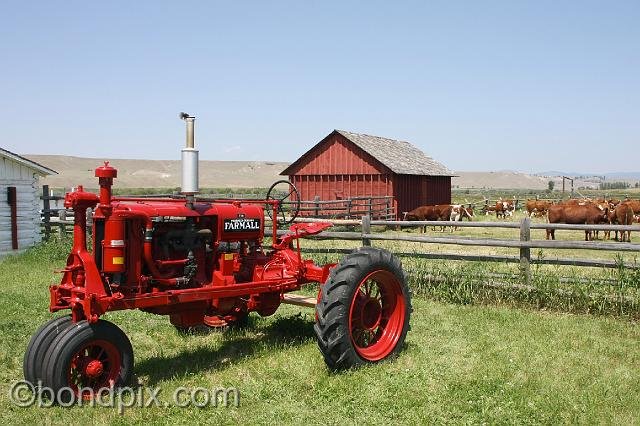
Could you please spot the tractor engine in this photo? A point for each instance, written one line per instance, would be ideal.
(177, 247)
(146, 246)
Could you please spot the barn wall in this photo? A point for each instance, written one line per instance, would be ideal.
(439, 190)
(15, 174)
(332, 187)
(412, 191)
(337, 156)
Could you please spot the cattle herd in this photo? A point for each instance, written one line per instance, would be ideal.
(572, 211)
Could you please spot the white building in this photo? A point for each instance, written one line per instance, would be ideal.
(19, 216)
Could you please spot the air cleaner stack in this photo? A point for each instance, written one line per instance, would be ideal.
(189, 161)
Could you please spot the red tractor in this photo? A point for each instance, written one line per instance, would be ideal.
(203, 263)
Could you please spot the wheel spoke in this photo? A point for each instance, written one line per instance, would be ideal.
(100, 354)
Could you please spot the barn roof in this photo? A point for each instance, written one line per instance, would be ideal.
(400, 157)
(42, 170)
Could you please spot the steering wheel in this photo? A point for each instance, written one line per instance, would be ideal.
(288, 199)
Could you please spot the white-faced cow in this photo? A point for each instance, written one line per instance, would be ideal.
(504, 208)
(459, 212)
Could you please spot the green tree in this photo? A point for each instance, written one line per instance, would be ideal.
(550, 185)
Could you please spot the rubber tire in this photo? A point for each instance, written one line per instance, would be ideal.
(58, 357)
(332, 311)
(38, 345)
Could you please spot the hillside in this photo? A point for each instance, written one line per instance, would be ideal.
(134, 173)
(519, 180)
(498, 180)
(74, 171)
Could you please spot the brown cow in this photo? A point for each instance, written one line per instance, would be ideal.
(622, 215)
(575, 202)
(576, 214)
(530, 207)
(537, 207)
(504, 208)
(437, 212)
(634, 204)
(487, 209)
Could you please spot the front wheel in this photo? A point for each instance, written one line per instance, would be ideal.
(38, 345)
(364, 309)
(87, 358)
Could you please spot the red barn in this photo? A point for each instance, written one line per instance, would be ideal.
(345, 165)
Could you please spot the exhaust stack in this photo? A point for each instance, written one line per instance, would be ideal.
(189, 160)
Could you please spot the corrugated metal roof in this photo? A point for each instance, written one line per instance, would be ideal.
(399, 156)
(44, 171)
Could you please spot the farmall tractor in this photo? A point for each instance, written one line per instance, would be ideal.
(203, 263)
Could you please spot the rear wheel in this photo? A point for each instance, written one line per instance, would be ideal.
(88, 358)
(38, 345)
(364, 309)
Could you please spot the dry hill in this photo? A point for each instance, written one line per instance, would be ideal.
(74, 171)
(239, 174)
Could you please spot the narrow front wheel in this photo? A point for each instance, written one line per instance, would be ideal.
(38, 345)
(87, 358)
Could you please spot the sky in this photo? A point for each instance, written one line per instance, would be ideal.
(512, 85)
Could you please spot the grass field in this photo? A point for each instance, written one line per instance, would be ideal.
(462, 364)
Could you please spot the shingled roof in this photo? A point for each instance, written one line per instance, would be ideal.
(400, 157)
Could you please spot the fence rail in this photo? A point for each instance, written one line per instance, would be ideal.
(524, 244)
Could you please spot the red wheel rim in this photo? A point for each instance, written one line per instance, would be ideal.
(377, 315)
(95, 366)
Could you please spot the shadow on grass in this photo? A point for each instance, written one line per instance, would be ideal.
(282, 332)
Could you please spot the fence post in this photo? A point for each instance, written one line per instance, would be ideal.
(370, 209)
(525, 253)
(62, 215)
(366, 229)
(46, 211)
(316, 200)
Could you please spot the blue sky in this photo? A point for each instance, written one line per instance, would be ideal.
(528, 86)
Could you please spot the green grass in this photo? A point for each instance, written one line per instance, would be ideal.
(462, 364)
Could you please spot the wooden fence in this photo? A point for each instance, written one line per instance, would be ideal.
(381, 208)
(61, 219)
(524, 244)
